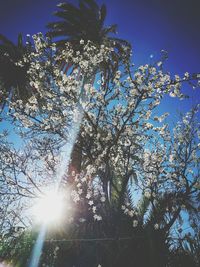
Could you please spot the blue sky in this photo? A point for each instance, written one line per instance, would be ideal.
(150, 26)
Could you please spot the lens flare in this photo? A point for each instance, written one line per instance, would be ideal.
(49, 208)
(37, 250)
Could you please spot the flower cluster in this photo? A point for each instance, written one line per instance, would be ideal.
(88, 197)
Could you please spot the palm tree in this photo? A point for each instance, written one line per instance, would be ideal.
(86, 22)
(13, 75)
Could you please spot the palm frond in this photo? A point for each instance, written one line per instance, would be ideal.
(102, 15)
(13, 78)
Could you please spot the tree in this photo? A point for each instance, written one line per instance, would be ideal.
(137, 180)
(86, 23)
(126, 150)
(13, 75)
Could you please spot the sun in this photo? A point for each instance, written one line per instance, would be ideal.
(49, 208)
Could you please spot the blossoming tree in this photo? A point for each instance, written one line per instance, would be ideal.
(137, 184)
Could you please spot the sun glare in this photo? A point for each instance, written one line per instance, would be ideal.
(49, 208)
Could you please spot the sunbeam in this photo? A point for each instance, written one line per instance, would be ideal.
(65, 156)
(37, 250)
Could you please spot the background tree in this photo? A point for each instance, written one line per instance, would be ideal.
(86, 23)
(13, 75)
